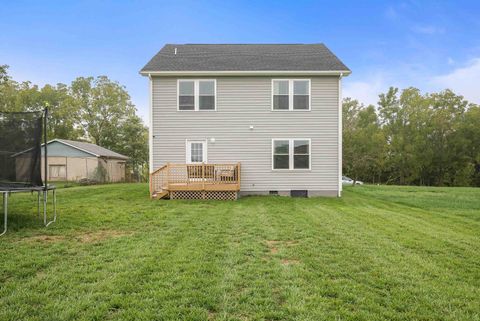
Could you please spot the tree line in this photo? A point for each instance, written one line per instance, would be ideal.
(410, 138)
(96, 110)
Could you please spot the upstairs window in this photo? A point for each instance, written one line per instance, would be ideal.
(291, 94)
(196, 94)
(206, 100)
(186, 95)
(280, 94)
(301, 94)
(291, 153)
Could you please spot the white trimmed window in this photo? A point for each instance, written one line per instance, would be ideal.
(290, 154)
(197, 94)
(290, 94)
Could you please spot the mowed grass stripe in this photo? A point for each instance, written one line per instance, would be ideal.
(450, 218)
(375, 254)
(383, 267)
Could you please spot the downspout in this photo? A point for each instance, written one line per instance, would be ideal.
(150, 127)
(340, 121)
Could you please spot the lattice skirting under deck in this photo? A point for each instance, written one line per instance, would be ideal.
(204, 195)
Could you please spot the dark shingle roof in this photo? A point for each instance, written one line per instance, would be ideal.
(92, 149)
(245, 57)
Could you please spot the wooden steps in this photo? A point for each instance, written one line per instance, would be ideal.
(159, 195)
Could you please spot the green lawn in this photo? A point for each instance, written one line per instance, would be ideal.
(378, 253)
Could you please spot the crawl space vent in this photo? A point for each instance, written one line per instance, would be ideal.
(299, 193)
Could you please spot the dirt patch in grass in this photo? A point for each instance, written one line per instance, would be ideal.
(43, 238)
(92, 237)
(211, 315)
(279, 242)
(89, 237)
(41, 275)
(290, 262)
(273, 245)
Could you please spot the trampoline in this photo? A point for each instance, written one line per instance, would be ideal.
(21, 160)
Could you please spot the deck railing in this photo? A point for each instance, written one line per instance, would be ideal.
(158, 180)
(196, 177)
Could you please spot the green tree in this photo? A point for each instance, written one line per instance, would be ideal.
(108, 118)
(363, 142)
(430, 139)
(133, 141)
(103, 107)
(450, 165)
(64, 120)
(403, 119)
(466, 141)
(8, 90)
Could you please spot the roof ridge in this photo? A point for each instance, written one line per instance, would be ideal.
(249, 44)
(211, 57)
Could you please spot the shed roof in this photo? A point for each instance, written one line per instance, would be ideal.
(90, 148)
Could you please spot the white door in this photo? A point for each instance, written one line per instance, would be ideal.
(196, 151)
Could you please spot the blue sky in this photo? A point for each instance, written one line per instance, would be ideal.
(427, 44)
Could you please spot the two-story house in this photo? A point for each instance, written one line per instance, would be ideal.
(247, 118)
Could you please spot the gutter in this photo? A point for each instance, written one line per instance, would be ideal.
(247, 73)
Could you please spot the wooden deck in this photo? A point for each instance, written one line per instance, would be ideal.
(196, 181)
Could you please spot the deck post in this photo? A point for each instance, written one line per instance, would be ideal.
(239, 175)
(150, 184)
(168, 175)
(203, 176)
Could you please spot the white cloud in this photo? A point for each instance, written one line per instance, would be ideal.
(365, 91)
(464, 81)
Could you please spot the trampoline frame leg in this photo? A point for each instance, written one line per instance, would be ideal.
(5, 212)
(45, 201)
(38, 204)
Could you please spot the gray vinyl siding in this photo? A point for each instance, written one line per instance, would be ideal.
(243, 102)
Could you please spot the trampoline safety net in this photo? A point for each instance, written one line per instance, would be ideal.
(20, 149)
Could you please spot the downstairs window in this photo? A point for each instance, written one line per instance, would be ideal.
(291, 154)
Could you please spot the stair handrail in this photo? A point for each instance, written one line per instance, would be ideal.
(153, 178)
